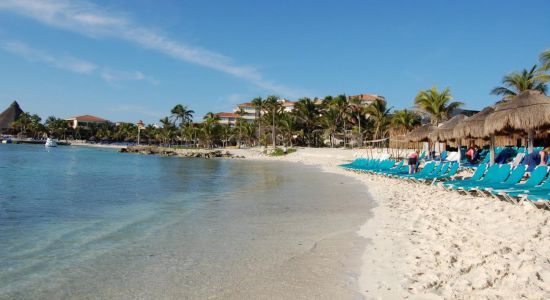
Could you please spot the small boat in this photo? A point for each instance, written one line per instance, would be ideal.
(51, 143)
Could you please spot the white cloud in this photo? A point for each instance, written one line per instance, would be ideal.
(115, 76)
(89, 19)
(31, 54)
(72, 64)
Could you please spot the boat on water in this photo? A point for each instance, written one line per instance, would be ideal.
(51, 142)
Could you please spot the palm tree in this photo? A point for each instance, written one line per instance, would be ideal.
(22, 122)
(273, 105)
(240, 112)
(329, 124)
(182, 113)
(545, 60)
(307, 114)
(436, 104)
(259, 105)
(342, 106)
(517, 82)
(288, 128)
(358, 108)
(404, 121)
(209, 127)
(225, 134)
(379, 114)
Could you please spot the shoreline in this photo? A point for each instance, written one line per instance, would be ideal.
(424, 242)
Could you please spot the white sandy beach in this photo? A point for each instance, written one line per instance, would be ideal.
(426, 243)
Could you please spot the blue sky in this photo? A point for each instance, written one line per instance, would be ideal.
(130, 60)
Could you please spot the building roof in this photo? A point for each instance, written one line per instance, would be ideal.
(9, 115)
(287, 103)
(367, 97)
(227, 115)
(246, 104)
(87, 118)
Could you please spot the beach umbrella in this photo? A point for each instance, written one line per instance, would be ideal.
(445, 131)
(528, 111)
(421, 133)
(474, 126)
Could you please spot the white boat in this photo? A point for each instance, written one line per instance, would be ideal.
(51, 143)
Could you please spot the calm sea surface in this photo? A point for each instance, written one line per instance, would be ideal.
(83, 223)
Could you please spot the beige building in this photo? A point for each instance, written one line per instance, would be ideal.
(85, 120)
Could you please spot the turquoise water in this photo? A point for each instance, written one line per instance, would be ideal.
(86, 223)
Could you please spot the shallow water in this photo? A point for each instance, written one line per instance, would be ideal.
(93, 223)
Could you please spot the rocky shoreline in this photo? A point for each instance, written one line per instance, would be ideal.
(165, 151)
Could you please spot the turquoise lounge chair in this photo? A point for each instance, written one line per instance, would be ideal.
(428, 168)
(514, 178)
(480, 171)
(499, 176)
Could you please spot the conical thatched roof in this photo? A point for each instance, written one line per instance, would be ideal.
(474, 126)
(9, 115)
(527, 111)
(421, 133)
(445, 131)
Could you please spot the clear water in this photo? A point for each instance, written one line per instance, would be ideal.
(93, 223)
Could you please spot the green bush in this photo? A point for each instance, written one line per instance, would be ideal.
(279, 152)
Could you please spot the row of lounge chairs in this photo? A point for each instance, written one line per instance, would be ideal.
(499, 181)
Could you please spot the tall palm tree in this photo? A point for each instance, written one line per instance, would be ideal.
(272, 104)
(288, 128)
(545, 60)
(436, 104)
(209, 127)
(404, 120)
(240, 113)
(358, 108)
(182, 113)
(517, 82)
(379, 114)
(329, 124)
(342, 106)
(259, 105)
(307, 114)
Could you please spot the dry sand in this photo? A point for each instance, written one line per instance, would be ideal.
(426, 243)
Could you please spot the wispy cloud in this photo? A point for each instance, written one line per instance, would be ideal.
(89, 19)
(115, 76)
(65, 62)
(73, 64)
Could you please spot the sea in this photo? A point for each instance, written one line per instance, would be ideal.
(92, 223)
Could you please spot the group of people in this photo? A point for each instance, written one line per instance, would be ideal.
(531, 160)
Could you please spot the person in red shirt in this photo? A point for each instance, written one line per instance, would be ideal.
(413, 161)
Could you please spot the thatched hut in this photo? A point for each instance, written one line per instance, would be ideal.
(421, 133)
(474, 126)
(8, 116)
(528, 111)
(445, 131)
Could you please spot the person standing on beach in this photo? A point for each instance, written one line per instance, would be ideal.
(413, 161)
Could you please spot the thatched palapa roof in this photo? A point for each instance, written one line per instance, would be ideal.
(445, 131)
(474, 126)
(8, 116)
(527, 111)
(421, 133)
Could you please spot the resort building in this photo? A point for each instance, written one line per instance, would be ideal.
(228, 118)
(249, 112)
(85, 120)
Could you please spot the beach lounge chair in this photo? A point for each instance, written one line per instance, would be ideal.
(500, 175)
(515, 177)
(530, 186)
(478, 174)
(439, 170)
(398, 166)
(428, 168)
(452, 170)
